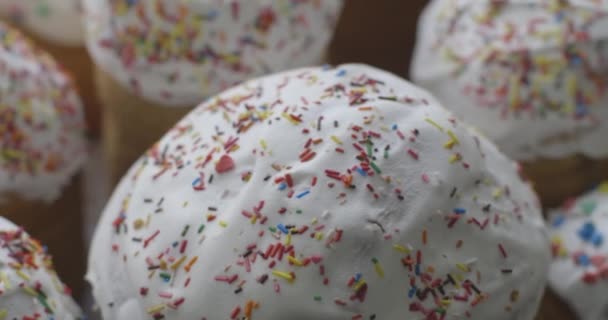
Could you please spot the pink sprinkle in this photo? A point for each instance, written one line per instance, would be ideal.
(412, 153)
(425, 178)
(502, 250)
(225, 164)
(147, 241)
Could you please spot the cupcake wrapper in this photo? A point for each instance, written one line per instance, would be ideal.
(58, 225)
(131, 124)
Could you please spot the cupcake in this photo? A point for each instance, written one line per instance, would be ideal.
(321, 193)
(156, 60)
(532, 76)
(30, 288)
(56, 26)
(579, 269)
(42, 150)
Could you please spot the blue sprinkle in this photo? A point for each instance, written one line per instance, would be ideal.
(558, 221)
(283, 186)
(417, 269)
(341, 73)
(460, 210)
(175, 244)
(587, 231)
(361, 172)
(411, 292)
(303, 194)
(575, 61)
(283, 229)
(196, 181)
(358, 277)
(583, 260)
(394, 127)
(597, 239)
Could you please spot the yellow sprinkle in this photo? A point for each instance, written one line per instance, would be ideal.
(450, 144)
(446, 302)
(453, 140)
(263, 144)
(319, 236)
(359, 285)
(30, 291)
(156, 308)
(281, 274)
(497, 193)
(288, 239)
(315, 221)
(295, 261)
(22, 275)
(434, 124)
(455, 158)
(163, 264)
(177, 263)
(223, 224)
(379, 269)
(254, 219)
(336, 140)
(7, 283)
(138, 224)
(463, 267)
(3, 313)
(401, 248)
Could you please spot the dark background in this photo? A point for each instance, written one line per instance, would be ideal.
(377, 32)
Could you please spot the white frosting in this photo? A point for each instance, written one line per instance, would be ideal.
(216, 44)
(58, 21)
(531, 74)
(207, 204)
(29, 287)
(42, 139)
(579, 272)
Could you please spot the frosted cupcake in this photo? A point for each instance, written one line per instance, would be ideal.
(42, 150)
(56, 26)
(341, 193)
(532, 75)
(579, 271)
(158, 59)
(30, 288)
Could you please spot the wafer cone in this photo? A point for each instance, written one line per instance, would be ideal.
(558, 180)
(130, 124)
(552, 308)
(57, 225)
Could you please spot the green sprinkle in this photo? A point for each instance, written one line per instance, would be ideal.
(588, 207)
(317, 298)
(186, 228)
(201, 228)
(375, 167)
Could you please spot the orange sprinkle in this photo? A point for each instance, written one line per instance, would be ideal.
(424, 236)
